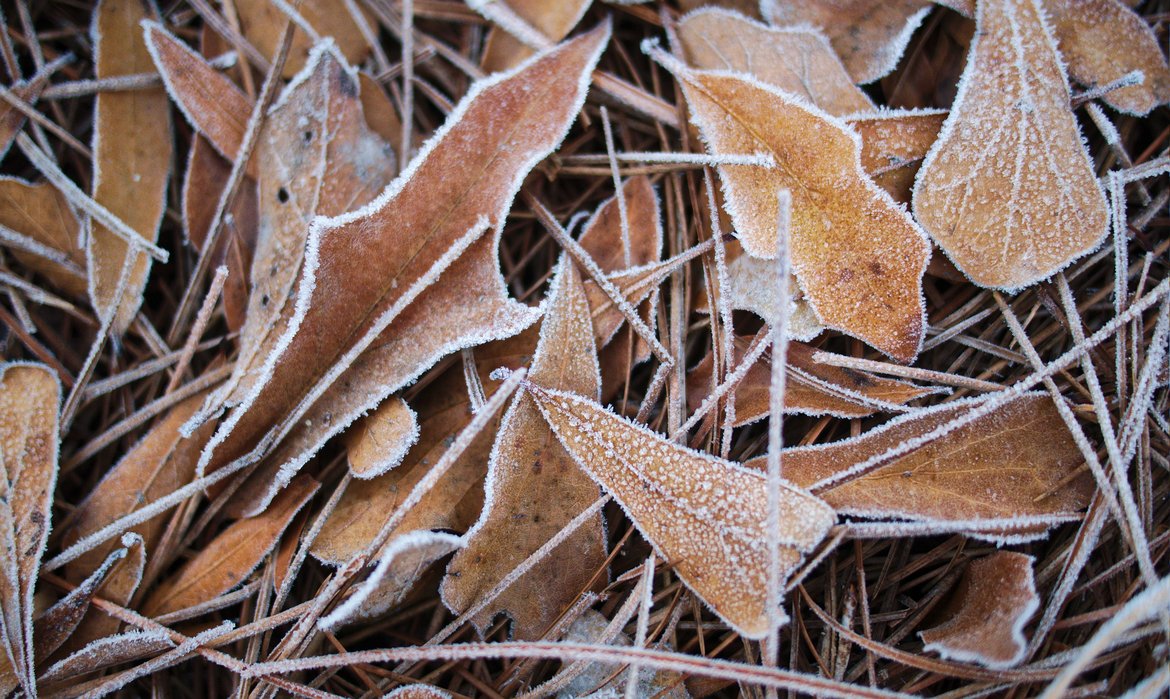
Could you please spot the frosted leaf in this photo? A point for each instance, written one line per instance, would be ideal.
(29, 399)
(534, 488)
(111, 650)
(755, 287)
(554, 20)
(705, 515)
(590, 627)
(262, 23)
(987, 612)
(49, 230)
(869, 35)
(858, 256)
(1008, 190)
(418, 691)
(795, 59)
(380, 441)
(893, 144)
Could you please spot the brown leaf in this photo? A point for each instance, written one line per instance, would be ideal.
(870, 285)
(132, 158)
(262, 23)
(1018, 462)
(1007, 190)
(534, 488)
(552, 19)
(869, 35)
(380, 441)
(704, 515)
(459, 186)
(381, 115)
(812, 388)
(12, 119)
(794, 59)
(108, 651)
(41, 214)
(755, 287)
(230, 557)
(1103, 40)
(29, 399)
(119, 587)
(418, 691)
(893, 144)
(987, 613)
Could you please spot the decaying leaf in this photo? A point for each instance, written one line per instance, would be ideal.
(228, 559)
(416, 228)
(893, 144)
(29, 399)
(858, 256)
(705, 515)
(263, 22)
(1017, 463)
(869, 35)
(380, 441)
(49, 229)
(552, 19)
(812, 388)
(132, 148)
(1102, 41)
(534, 488)
(994, 599)
(1008, 190)
(794, 59)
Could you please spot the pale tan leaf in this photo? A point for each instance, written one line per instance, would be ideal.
(859, 258)
(704, 515)
(597, 680)
(41, 214)
(994, 599)
(230, 557)
(1018, 462)
(893, 144)
(418, 691)
(869, 35)
(1008, 190)
(534, 488)
(29, 398)
(552, 19)
(459, 186)
(263, 23)
(812, 388)
(132, 159)
(1102, 41)
(380, 441)
(794, 59)
(755, 287)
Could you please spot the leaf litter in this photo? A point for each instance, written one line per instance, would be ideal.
(315, 489)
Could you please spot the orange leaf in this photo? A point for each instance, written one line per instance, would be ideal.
(41, 214)
(552, 19)
(262, 23)
(893, 144)
(380, 441)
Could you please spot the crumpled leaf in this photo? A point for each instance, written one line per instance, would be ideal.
(416, 228)
(705, 515)
(262, 24)
(29, 398)
(380, 441)
(1018, 462)
(796, 59)
(228, 559)
(1103, 40)
(534, 488)
(812, 388)
(869, 35)
(552, 19)
(893, 144)
(132, 148)
(1008, 190)
(987, 613)
(41, 213)
(858, 256)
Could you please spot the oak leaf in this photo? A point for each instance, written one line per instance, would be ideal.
(1008, 190)
(704, 515)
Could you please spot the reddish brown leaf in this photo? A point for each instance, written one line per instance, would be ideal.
(552, 19)
(263, 23)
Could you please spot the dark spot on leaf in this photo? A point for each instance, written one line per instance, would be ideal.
(282, 195)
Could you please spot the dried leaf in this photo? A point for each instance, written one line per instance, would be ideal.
(1008, 190)
(11, 118)
(704, 515)
(119, 587)
(534, 488)
(132, 159)
(598, 681)
(554, 20)
(870, 286)
(437, 207)
(1018, 462)
(1102, 41)
(869, 35)
(994, 599)
(228, 559)
(418, 691)
(50, 246)
(794, 59)
(381, 115)
(812, 388)
(755, 287)
(263, 22)
(29, 399)
(893, 144)
(108, 651)
(380, 441)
